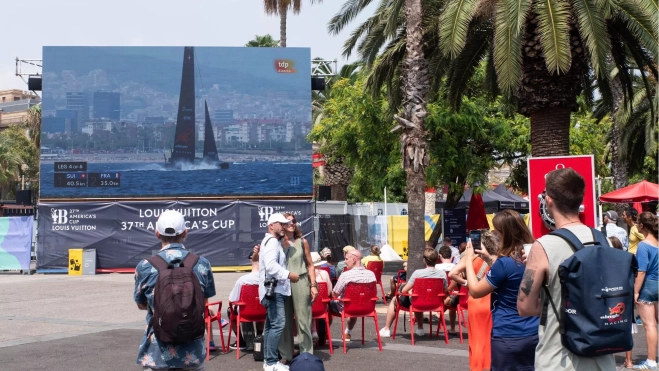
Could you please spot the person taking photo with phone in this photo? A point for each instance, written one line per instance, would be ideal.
(514, 338)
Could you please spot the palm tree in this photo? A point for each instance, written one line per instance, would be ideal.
(10, 165)
(265, 41)
(280, 8)
(540, 53)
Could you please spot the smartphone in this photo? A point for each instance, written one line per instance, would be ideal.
(475, 237)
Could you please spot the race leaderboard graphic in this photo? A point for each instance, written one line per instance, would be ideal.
(154, 122)
(74, 175)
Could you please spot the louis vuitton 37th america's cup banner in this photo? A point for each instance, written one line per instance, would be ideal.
(123, 233)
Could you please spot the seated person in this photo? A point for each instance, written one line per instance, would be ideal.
(340, 266)
(251, 278)
(430, 259)
(393, 281)
(445, 262)
(375, 256)
(356, 274)
(326, 255)
(321, 276)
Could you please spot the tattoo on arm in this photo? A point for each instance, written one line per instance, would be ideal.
(527, 283)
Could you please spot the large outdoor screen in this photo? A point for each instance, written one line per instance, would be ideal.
(128, 122)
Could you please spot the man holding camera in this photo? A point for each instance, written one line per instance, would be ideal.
(274, 286)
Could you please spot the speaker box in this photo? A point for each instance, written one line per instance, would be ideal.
(324, 193)
(34, 83)
(24, 197)
(317, 83)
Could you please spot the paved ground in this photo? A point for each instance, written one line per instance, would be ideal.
(58, 322)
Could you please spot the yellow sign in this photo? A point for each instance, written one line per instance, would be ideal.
(75, 262)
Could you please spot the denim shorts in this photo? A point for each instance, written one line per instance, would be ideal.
(649, 292)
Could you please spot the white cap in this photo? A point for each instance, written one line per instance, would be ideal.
(278, 218)
(171, 223)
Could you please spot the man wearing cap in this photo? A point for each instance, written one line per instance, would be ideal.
(272, 265)
(154, 354)
(612, 229)
(341, 266)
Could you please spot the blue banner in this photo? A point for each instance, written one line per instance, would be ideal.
(15, 242)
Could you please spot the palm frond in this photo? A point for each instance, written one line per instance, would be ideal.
(605, 7)
(463, 67)
(554, 34)
(358, 33)
(490, 82)
(592, 28)
(348, 12)
(639, 23)
(507, 50)
(271, 7)
(454, 25)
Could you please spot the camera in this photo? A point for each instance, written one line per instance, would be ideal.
(270, 284)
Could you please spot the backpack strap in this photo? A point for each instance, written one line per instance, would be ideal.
(158, 262)
(190, 260)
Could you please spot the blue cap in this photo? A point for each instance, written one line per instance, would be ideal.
(307, 362)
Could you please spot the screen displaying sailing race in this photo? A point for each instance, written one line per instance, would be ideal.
(127, 122)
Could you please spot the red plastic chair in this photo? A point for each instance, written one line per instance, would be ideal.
(208, 320)
(376, 267)
(359, 301)
(319, 310)
(250, 310)
(428, 296)
(460, 309)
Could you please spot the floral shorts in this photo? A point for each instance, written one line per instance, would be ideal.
(649, 292)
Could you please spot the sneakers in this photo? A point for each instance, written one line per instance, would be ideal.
(314, 337)
(224, 322)
(639, 321)
(281, 367)
(347, 333)
(233, 346)
(419, 332)
(212, 346)
(644, 366)
(385, 332)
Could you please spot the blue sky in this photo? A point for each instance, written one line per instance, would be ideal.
(158, 23)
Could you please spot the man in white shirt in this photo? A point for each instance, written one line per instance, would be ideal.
(612, 229)
(272, 268)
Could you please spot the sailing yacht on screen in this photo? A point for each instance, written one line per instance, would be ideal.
(183, 152)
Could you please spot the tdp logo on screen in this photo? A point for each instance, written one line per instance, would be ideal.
(285, 66)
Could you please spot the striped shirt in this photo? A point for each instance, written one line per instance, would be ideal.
(354, 275)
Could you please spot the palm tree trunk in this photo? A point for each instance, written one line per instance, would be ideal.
(283, 13)
(416, 82)
(618, 167)
(550, 132)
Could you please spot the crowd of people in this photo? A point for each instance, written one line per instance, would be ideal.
(511, 324)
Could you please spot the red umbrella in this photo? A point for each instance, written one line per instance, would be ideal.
(639, 192)
(476, 217)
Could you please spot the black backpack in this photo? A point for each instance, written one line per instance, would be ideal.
(178, 301)
(597, 286)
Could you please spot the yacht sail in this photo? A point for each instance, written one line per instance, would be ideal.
(210, 148)
(184, 139)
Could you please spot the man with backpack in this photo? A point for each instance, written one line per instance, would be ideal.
(173, 287)
(578, 286)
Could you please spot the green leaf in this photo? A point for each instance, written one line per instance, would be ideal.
(454, 24)
(507, 49)
(641, 24)
(554, 34)
(592, 28)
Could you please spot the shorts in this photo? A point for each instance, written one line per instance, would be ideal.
(405, 301)
(513, 354)
(649, 294)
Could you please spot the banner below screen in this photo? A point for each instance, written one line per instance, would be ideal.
(123, 233)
